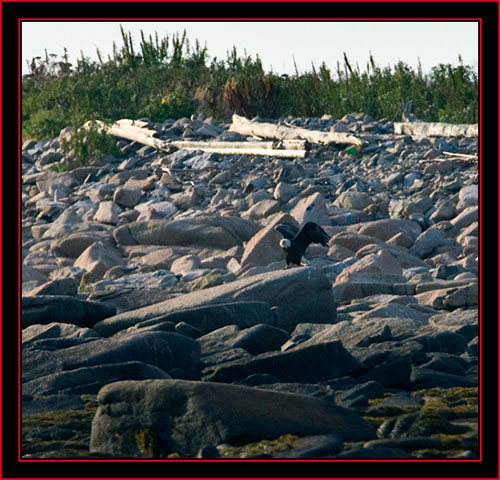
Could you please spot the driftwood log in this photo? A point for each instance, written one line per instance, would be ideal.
(434, 129)
(133, 130)
(243, 126)
(291, 149)
(465, 156)
(136, 131)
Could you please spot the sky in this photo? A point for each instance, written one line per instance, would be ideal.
(280, 45)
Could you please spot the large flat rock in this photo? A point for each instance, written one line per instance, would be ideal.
(205, 318)
(311, 363)
(153, 418)
(165, 350)
(204, 231)
(45, 309)
(301, 295)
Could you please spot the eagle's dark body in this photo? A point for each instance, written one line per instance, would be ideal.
(295, 241)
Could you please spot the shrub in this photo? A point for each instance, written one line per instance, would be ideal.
(89, 142)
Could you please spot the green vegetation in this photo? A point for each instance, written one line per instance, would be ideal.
(171, 78)
(89, 143)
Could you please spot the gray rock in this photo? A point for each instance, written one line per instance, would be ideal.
(68, 222)
(90, 380)
(202, 161)
(211, 231)
(108, 212)
(358, 285)
(218, 340)
(210, 414)
(254, 182)
(45, 309)
(393, 310)
(311, 209)
(363, 392)
(407, 207)
(263, 209)
(466, 217)
(381, 262)
(353, 200)
(444, 210)
(188, 330)
(473, 347)
(165, 350)
(427, 241)
(446, 341)
(121, 177)
(270, 382)
(310, 364)
(260, 338)
(405, 244)
(468, 196)
(61, 286)
(407, 444)
(127, 196)
(263, 248)
(51, 403)
(452, 297)
(382, 453)
(447, 363)
(395, 372)
(49, 156)
(48, 179)
(393, 179)
(75, 244)
(55, 330)
(155, 210)
(299, 293)
(30, 274)
(284, 192)
(130, 291)
(183, 265)
(205, 317)
(99, 258)
(386, 228)
(422, 378)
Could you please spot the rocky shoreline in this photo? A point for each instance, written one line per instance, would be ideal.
(158, 320)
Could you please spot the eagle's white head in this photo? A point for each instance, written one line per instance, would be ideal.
(285, 243)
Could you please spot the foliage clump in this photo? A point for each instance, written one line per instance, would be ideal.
(89, 142)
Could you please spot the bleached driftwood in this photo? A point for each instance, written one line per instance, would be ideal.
(464, 156)
(287, 144)
(133, 130)
(136, 131)
(291, 148)
(435, 129)
(243, 126)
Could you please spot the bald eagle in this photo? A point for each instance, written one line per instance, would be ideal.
(295, 241)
